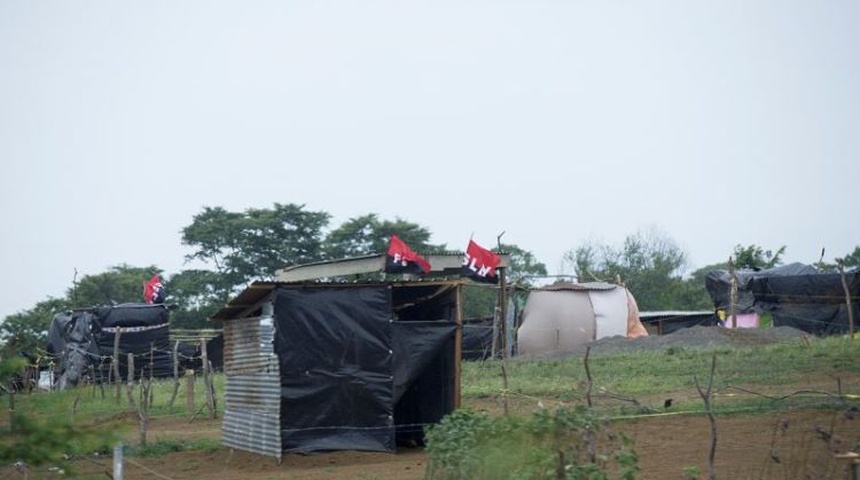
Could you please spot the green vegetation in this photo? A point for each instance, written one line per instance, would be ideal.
(567, 443)
(646, 374)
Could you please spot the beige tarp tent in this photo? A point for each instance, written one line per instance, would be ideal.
(561, 317)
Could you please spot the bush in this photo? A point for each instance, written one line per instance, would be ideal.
(565, 444)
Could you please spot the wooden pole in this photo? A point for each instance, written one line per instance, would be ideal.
(733, 293)
(175, 374)
(130, 384)
(116, 376)
(841, 263)
(189, 391)
(210, 400)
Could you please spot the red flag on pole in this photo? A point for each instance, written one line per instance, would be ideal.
(153, 290)
(401, 258)
(480, 264)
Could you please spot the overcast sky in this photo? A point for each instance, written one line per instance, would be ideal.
(559, 122)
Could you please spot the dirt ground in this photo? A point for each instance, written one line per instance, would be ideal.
(793, 444)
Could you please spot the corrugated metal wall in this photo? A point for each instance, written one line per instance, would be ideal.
(253, 396)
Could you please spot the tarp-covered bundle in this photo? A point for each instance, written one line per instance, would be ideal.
(564, 316)
(83, 342)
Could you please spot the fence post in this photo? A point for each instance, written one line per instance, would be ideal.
(733, 293)
(175, 374)
(130, 384)
(207, 380)
(116, 377)
(841, 263)
(117, 462)
(189, 391)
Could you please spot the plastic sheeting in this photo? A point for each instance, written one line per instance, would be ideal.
(83, 341)
(812, 303)
(718, 284)
(353, 378)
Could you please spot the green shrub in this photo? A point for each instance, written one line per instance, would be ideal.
(564, 444)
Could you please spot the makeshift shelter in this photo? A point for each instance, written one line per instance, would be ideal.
(814, 303)
(561, 317)
(797, 296)
(84, 340)
(339, 366)
(665, 322)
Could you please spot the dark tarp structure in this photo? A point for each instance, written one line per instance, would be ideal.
(478, 339)
(718, 284)
(664, 323)
(797, 295)
(812, 303)
(321, 366)
(364, 367)
(82, 339)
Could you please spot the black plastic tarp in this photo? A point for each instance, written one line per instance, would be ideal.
(346, 366)
(72, 342)
(145, 333)
(478, 339)
(83, 342)
(718, 284)
(812, 303)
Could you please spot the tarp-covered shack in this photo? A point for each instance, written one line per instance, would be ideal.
(797, 296)
(339, 366)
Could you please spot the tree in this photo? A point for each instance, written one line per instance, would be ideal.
(197, 294)
(649, 263)
(27, 331)
(753, 257)
(368, 235)
(119, 284)
(523, 264)
(254, 244)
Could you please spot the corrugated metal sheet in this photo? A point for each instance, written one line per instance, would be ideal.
(252, 402)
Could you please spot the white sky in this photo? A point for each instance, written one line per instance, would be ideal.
(719, 123)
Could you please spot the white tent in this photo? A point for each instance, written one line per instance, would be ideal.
(561, 317)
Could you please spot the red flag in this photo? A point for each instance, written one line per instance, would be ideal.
(401, 258)
(153, 290)
(480, 264)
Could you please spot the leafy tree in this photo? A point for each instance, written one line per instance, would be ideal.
(852, 259)
(650, 264)
(523, 264)
(197, 294)
(119, 284)
(244, 246)
(368, 235)
(754, 257)
(27, 331)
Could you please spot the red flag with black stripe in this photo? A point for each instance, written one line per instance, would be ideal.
(153, 290)
(401, 258)
(480, 264)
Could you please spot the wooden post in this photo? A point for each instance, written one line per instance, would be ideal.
(175, 374)
(841, 263)
(130, 385)
(207, 381)
(189, 391)
(116, 376)
(733, 293)
(143, 410)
